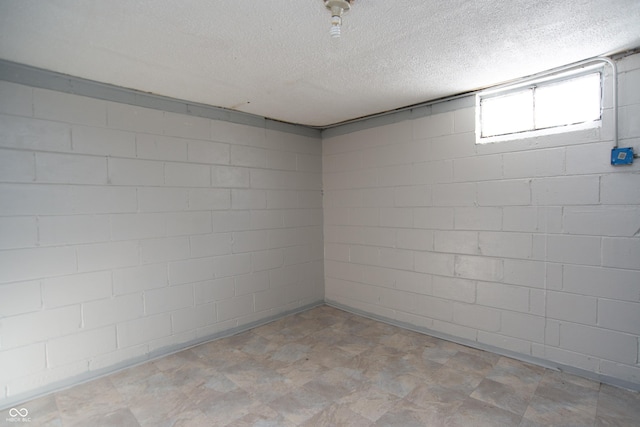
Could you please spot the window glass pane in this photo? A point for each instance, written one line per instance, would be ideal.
(568, 102)
(507, 113)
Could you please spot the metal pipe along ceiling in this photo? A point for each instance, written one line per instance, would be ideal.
(586, 62)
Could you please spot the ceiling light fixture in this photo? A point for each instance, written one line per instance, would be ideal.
(337, 8)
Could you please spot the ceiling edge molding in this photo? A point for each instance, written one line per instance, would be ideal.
(407, 113)
(46, 79)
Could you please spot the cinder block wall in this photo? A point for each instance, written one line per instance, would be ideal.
(125, 231)
(530, 246)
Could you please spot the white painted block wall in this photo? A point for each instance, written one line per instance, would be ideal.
(531, 246)
(125, 230)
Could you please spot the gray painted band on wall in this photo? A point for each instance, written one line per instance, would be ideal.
(45, 79)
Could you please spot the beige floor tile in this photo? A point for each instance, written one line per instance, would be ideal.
(520, 375)
(408, 414)
(371, 402)
(88, 400)
(326, 367)
(463, 381)
(337, 415)
(301, 404)
(228, 407)
(502, 396)
(429, 393)
(563, 400)
(618, 407)
(475, 413)
(43, 411)
(121, 417)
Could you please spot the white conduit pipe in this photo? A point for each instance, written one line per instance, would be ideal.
(614, 97)
(614, 94)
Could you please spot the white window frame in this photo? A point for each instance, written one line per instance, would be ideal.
(535, 83)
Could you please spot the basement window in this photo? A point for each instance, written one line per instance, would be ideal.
(556, 104)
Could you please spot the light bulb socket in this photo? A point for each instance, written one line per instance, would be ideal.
(342, 6)
(337, 8)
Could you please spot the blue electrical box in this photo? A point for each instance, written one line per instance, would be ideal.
(622, 156)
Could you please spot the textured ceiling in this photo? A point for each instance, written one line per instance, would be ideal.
(276, 59)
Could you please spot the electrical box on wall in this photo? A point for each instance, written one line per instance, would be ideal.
(622, 156)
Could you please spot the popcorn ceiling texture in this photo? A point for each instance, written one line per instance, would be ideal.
(278, 61)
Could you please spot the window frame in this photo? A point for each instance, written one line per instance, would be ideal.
(533, 83)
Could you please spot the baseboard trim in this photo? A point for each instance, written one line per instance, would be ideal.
(166, 351)
(616, 382)
(13, 401)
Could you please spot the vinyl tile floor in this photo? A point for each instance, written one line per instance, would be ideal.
(326, 367)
